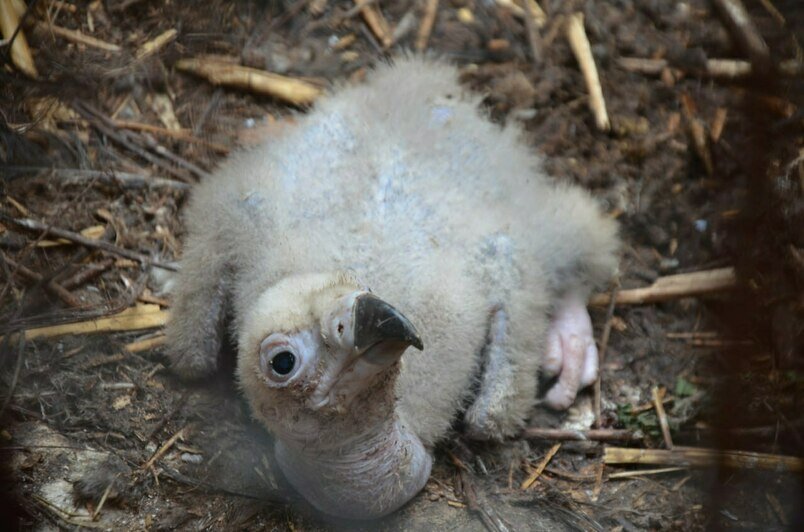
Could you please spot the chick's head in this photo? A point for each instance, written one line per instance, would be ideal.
(318, 354)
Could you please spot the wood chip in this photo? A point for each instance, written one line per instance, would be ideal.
(218, 72)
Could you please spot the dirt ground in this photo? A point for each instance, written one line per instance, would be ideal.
(702, 171)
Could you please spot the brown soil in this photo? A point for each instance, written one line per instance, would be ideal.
(81, 414)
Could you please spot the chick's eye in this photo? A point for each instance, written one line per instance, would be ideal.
(282, 363)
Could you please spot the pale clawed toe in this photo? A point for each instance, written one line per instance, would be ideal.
(571, 353)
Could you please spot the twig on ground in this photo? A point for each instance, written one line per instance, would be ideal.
(702, 457)
(178, 134)
(718, 123)
(96, 513)
(674, 287)
(132, 319)
(528, 482)
(531, 7)
(77, 37)
(10, 28)
(742, 28)
(33, 225)
(147, 344)
(164, 448)
(50, 285)
(127, 139)
(599, 470)
(87, 273)
(697, 130)
(604, 345)
(576, 35)
(538, 433)
(427, 23)
(715, 68)
(157, 43)
(376, 22)
(79, 176)
(533, 32)
(660, 413)
(644, 472)
(294, 91)
(17, 368)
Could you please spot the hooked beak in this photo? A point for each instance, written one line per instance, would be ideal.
(376, 321)
(380, 335)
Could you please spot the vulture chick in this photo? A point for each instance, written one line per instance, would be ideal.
(394, 215)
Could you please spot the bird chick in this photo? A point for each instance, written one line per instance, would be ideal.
(394, 215)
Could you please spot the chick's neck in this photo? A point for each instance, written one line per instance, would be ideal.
(361, 471)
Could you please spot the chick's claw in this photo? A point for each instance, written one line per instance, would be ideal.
(571, 352)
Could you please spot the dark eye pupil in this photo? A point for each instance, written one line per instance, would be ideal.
(283, 362)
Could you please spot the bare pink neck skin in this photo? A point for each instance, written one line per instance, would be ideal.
(364, 477)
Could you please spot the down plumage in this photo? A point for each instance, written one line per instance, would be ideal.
(392, 215)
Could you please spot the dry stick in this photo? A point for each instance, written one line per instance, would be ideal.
(105, 126)
(742, 28)
(601, 468)
(528, 482)
(294, 91)
(147, 344)
(660, 413)
(583, 53)
(771, 9)
(125, 179)
(132, 319)
(644, 472)
(697, 130)
(674, 287)
(87, 273)
(181, 134)
(157, 43)
(126, 137)
(538, 433)
(533, 8)
(702, 457)
(604, 344)
(165, 447)
(170, 156)
(376, 22)
(33, 225)
(51, 285)
(77, 37)
(17, 369)
(10, 28)
(533, 33)
(716, 68)
(426, 27)
(102, 501)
